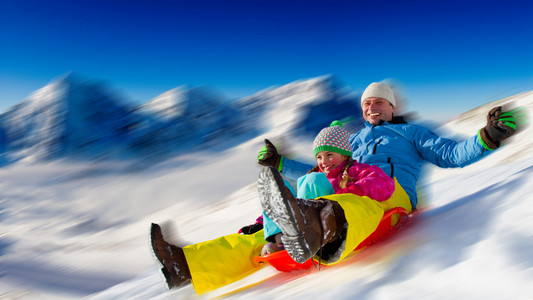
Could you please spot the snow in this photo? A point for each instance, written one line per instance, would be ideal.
(169, 104)
(80, 230)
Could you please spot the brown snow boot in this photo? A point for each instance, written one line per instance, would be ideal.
(332, 220)
(306, 225)
(175, 268)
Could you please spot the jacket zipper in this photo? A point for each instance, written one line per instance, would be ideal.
(391, 167)
(375, 146)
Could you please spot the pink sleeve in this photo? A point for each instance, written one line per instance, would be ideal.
(259, 220)
(369, 181)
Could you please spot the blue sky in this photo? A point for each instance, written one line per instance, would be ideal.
(449, 56)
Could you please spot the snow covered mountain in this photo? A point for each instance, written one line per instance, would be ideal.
(184, 118)
(66, 117)
(72, 117)
(302, 108)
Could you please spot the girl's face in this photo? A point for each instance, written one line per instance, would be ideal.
(327, 160)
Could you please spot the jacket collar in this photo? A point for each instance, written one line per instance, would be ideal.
(395, 120)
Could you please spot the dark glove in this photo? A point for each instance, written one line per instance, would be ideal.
(254, 227)
(500, 125)
(269, 156)
(251, 228)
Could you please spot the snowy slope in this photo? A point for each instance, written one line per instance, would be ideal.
(81, 230)
(522, 142)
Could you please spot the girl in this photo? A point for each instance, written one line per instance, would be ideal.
(335, 173)
(334, 160)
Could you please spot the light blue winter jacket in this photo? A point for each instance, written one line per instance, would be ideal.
(400, 149)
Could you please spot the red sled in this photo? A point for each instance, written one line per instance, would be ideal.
(283, 262)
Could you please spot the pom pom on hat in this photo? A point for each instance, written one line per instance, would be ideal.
(336, 123)
(334, 139)
(379, 90)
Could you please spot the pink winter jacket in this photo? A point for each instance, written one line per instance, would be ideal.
(366, 180)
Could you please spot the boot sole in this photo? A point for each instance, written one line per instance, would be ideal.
(278, 208)
(168, 279)
(153, 229)
(152, 241)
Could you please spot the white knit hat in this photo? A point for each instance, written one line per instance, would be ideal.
(379, 90)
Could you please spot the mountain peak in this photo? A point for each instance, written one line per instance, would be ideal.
(168, 105)
(182, 101)
(69, 78)
(52, 94)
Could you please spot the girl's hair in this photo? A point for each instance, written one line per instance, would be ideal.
(345, 177)
(314, 169)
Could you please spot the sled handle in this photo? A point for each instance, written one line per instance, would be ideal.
(385, 226)
(389, 214)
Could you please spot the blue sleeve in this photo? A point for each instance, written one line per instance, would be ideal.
(293, 169)
(447, 153)
(314, 185)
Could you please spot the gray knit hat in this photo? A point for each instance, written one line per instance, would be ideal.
(379, 90)
(333, 138)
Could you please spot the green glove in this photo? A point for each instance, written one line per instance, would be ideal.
(500, 125)
(269, 156)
